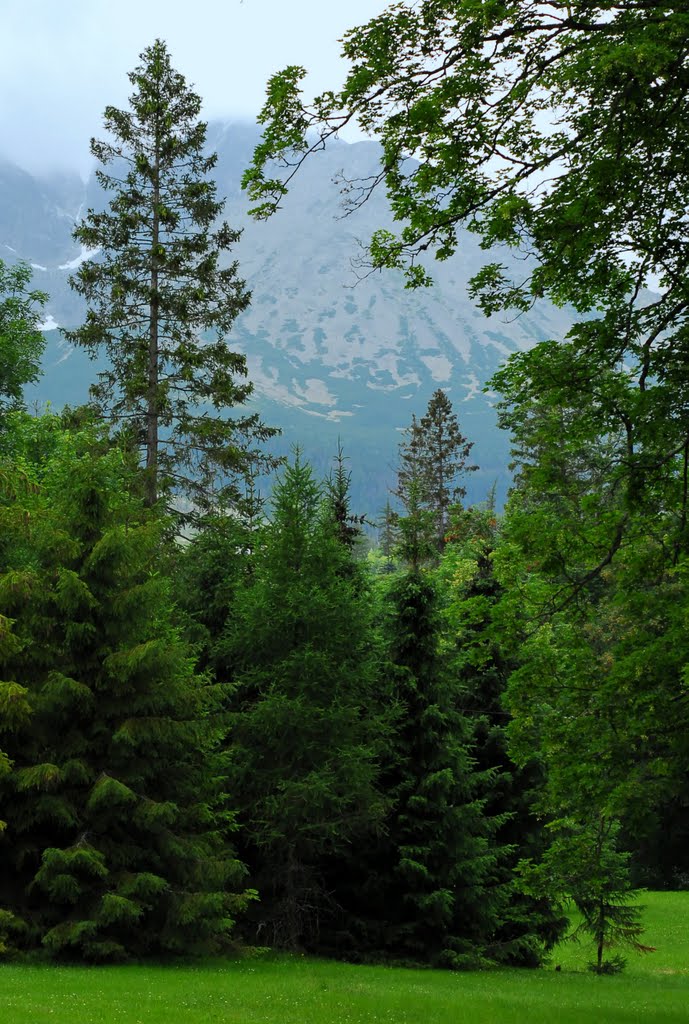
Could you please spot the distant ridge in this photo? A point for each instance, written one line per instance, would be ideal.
(329, 357)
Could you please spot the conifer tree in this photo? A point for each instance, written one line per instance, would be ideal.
(431, 460)
(338, 495)
(388, 535)
(585, 864)
(446, 452)
(117, 825)
(442, 886)
(159, 301)
(410, 469)
(207, 573)
(21, 341)
(307, 725)
(426, 890)
(528, 926)
(429, 891)
(599, 878)
(21, 348)
(414, 529)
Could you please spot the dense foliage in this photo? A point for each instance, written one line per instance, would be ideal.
(160, 300)
(21, 342)
(428, 754)
(557, 133)
(308, 721)
(118, 822)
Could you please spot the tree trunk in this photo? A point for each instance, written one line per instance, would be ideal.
(601, 934)
(152, 399)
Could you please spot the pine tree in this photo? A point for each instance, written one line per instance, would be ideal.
(603, 896)
(410, 468)
(117, 839)
(159, 302)
(14, 705)
(338, 495)
(388, 535)
(15, 716)
(21, 347)
(446, 453)
(424, 890)
(445, 860)
(432, 459)
(307, 726)
(415, 528)
(528, 926)
(207, 573)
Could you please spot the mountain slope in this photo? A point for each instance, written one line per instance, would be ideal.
(329, 356)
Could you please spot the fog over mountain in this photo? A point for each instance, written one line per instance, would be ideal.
(329, 356)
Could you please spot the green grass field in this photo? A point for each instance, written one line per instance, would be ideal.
(288, 990)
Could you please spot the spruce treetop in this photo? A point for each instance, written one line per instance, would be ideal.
(433, 458)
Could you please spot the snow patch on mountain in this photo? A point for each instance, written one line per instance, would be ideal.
(474, 387)
(439, 366)
(85, 254)
(314, 391)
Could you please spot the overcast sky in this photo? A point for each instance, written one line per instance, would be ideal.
(63, 61)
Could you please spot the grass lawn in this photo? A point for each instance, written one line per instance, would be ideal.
(289, 990)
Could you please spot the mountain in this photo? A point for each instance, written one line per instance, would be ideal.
(330, 356)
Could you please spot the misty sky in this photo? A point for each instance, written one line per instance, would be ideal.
(63, 61)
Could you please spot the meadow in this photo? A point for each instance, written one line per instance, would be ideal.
(654, 989)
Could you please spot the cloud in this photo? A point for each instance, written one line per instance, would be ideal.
(61, 64)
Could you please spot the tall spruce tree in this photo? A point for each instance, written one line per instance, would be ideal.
(410, 464)
(431, 888)
(470, 594)
(437, 898)
(415, 529)
(117, 838)
(159, 302)
(307, 722)
(21, 348)
(14, 706)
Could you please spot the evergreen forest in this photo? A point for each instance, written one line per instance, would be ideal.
(235, 715)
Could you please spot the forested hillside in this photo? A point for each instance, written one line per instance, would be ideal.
(330, 356)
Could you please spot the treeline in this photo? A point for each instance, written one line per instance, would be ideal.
(264, 735)
(225, 722)
(255, 709)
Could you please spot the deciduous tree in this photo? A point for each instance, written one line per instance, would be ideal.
(555, 131)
